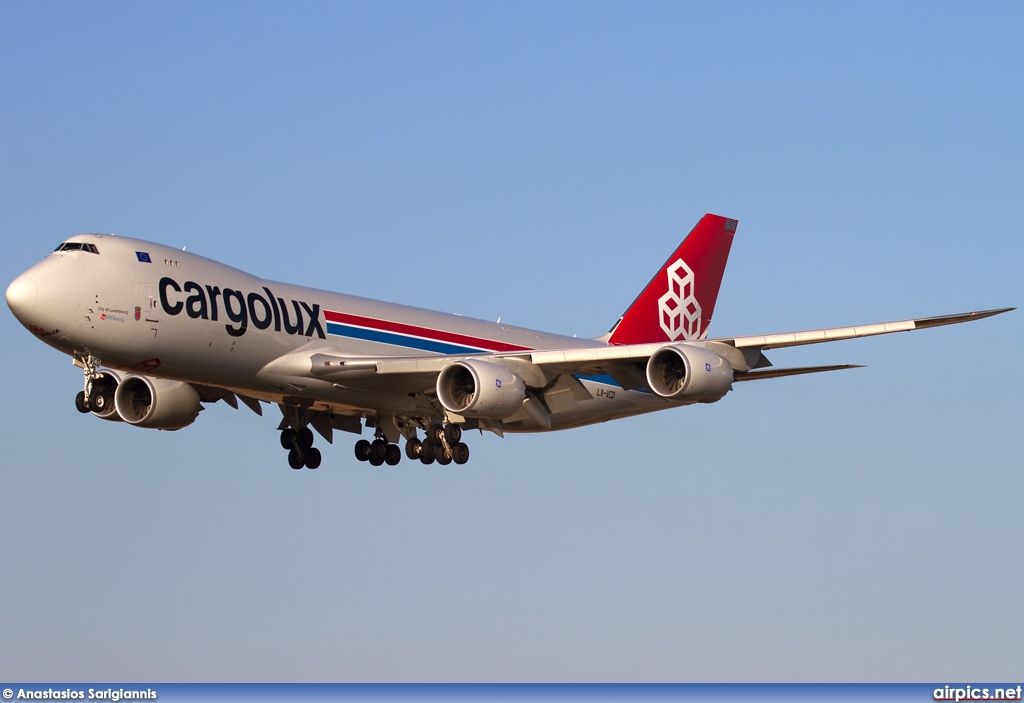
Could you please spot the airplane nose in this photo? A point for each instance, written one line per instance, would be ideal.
(22, 296)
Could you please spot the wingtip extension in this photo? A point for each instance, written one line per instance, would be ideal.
(939, 321)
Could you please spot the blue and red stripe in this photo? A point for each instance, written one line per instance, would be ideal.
(401, 334)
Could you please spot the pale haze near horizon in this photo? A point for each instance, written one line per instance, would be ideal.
(535, 162)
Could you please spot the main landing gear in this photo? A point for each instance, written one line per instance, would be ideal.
(378, 452)
(442, 444)
(301, 450)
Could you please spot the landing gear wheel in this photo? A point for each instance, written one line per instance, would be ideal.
(443, 457)
(434, 432)
(414, 449)
(460, 453)
(363, 450)
(428, 449)
(313, 458)
(98, 400)
(427, 457)
(378, 449)
(392, 455)
(295, 459)
(80, 403)
(305, 438)
(453, 433)
(288, 438)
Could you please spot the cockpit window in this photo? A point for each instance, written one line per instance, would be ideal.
(77, 246)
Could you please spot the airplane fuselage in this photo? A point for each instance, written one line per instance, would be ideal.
(144, 308)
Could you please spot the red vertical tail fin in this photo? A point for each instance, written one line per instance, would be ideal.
(678, 302)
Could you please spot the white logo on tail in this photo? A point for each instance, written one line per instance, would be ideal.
(678, 309)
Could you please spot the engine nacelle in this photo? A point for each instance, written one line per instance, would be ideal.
(477, 388)
(101, 395)
(156, 403)
(688, 373)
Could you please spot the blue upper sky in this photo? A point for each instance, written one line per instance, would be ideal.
(534, 161)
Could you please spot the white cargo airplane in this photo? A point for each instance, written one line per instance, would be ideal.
(159, 331)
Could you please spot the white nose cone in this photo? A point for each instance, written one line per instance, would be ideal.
(22, 296)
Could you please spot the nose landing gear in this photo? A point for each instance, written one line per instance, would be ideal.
(87, 396)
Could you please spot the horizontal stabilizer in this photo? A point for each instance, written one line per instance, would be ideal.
(796, 371)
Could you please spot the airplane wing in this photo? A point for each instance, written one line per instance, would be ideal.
(793, 339)
(551, 379)
(623, 363)
(743, 353)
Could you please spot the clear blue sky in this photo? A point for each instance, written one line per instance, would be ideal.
(535, 161)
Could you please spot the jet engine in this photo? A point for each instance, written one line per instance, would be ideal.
(101, 395)
(477, 388)
(156, 403)
(689, 374)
